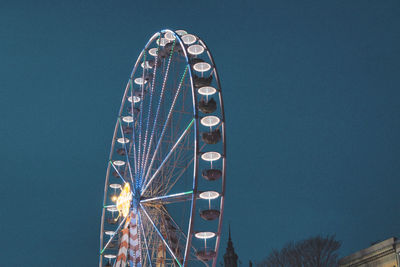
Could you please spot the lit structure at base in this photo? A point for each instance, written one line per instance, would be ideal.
(124, 201)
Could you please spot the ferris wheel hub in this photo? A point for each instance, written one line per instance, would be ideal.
(136, 199)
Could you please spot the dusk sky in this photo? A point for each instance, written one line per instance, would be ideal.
(312, 103)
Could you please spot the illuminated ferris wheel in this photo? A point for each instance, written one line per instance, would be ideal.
(165, 182)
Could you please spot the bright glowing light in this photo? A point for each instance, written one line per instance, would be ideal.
(140, 81)
(115, 186)
(207, 90)
(109, 256)
(169, 36)
(124, 200)
(202, 66)
(153, 52)
(145, 65)
(112, 209)
(119, 162)
(135, 99)
(211, 156)
(114, 198)
(189, 39)
(195, 49)
(162, 41)
(122, 140)
(209, 195)
(129, 119)
(109, 232)
(204, 235)
(181, 32)
(210, 121)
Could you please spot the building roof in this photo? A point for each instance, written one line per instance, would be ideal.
(387, 246)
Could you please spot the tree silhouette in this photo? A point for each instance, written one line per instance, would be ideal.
(313, 252)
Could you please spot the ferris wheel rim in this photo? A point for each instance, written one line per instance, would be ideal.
(196, 139)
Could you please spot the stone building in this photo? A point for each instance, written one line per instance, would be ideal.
(382, 254)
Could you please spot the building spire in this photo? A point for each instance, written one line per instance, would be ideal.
(230, 232)
(230, 257)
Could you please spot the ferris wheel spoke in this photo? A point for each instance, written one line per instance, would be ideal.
(172, 171)
(176, 171)
(164, 127)
(144, 163)
(171, 182)
(126, 150)
(150, 105)
(144, 238)
(165, 211)
(178, 197)
(140, 128)
(133, 128)
(119, 174)
(140, 156)
(172, 179)
(169, 154)
(149, 236)
(161, 236)
(112, 237)
(141, 108)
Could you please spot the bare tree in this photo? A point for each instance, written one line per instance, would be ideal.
(313, 252)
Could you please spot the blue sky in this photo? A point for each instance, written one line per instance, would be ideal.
(311, 92)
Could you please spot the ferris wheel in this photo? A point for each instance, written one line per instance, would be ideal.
(165, 183)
